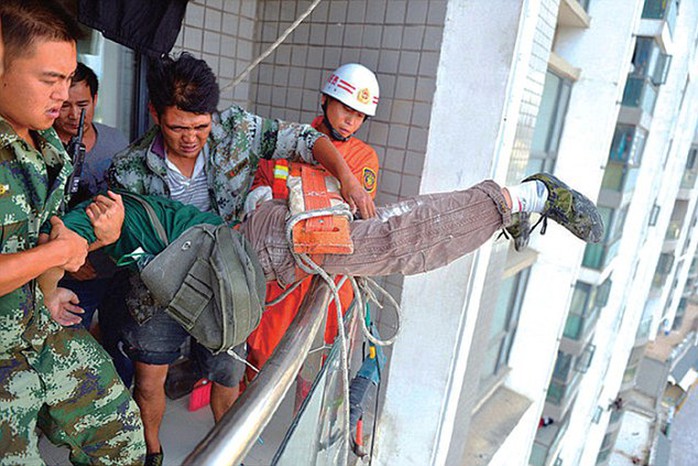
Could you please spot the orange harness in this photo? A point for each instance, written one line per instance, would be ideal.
(312, 189)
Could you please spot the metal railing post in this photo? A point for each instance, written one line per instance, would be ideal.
(234, 436)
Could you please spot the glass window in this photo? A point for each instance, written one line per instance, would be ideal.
(580, 298)
(504, 323)
(597, 415)
(549, 124)
(691, 160)
(114, 66)
(584, 360)
(645, 56)
(628, 145)
(562, 366)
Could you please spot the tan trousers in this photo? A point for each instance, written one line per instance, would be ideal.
(409, 237)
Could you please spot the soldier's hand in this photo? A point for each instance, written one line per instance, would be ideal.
(71, 246)
(62, 304)
(106, 213)
(357, 198)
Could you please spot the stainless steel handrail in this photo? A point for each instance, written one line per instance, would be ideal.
(234, 436)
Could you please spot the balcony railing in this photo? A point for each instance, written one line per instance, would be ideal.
(620, 177)
(673, 230)
(559, 391)
(598, 256)
(577, 326)
(641, 93)
(234, 436)
(688, 181)
(661, 9)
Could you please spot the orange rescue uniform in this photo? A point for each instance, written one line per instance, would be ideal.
(363, 162)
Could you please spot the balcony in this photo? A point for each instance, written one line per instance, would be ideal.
(661, 10)
(573, 13)
(547, 442)
(619, 180)
(578, 326)
(599, 256)
(316, 435)
(640, 93)
(673, 230)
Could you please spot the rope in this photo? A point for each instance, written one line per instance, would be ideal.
(364, 286)
(283, 295)
(271, 48)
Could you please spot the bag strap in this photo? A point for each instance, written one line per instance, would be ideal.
(157, 225)
(232, 275)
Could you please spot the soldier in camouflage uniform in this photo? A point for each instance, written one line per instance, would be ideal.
(206, 159)
(62, 378)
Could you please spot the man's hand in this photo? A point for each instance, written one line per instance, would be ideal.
(72, 246)
(106, 214)
(357, 197)
(62, 305)
(86, 272)
(352, 192)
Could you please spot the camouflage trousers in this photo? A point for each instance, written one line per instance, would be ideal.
(70, 390)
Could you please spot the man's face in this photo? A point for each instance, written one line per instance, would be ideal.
(34, 86)
(79, 98)
(184, 133)
(344, 119)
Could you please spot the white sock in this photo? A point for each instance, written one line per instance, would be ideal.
(528, 197)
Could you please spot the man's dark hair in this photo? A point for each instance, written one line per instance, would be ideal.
(186, 83)
(85, 73)
(26, 21)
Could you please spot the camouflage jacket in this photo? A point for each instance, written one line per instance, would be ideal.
(32, 185)
(237, 141)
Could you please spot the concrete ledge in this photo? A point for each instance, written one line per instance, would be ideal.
(492, 424)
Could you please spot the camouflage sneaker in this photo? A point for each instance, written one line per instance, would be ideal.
(519, 230)
(569, 208)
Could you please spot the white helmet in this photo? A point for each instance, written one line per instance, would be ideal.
(355, 86)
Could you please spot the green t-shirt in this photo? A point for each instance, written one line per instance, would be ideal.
(137, 231)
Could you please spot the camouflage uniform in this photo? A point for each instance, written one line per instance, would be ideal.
(61, 376)
(237, 141)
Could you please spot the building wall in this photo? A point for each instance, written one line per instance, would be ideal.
(222, 32)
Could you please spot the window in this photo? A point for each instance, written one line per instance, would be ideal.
(654, 215)
(562, 366)
(549, 124)
(584, 360)
(689, 176)
(504, 323)
(584, 4)
(645, 57)
(579, 308)
(599, 255)
(628, 145)
(649, 61)
(596, 418)
(114, 66)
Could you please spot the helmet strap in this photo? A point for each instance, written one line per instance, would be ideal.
(334, 134)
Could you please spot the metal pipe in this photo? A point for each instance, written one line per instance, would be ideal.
(235, 434)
